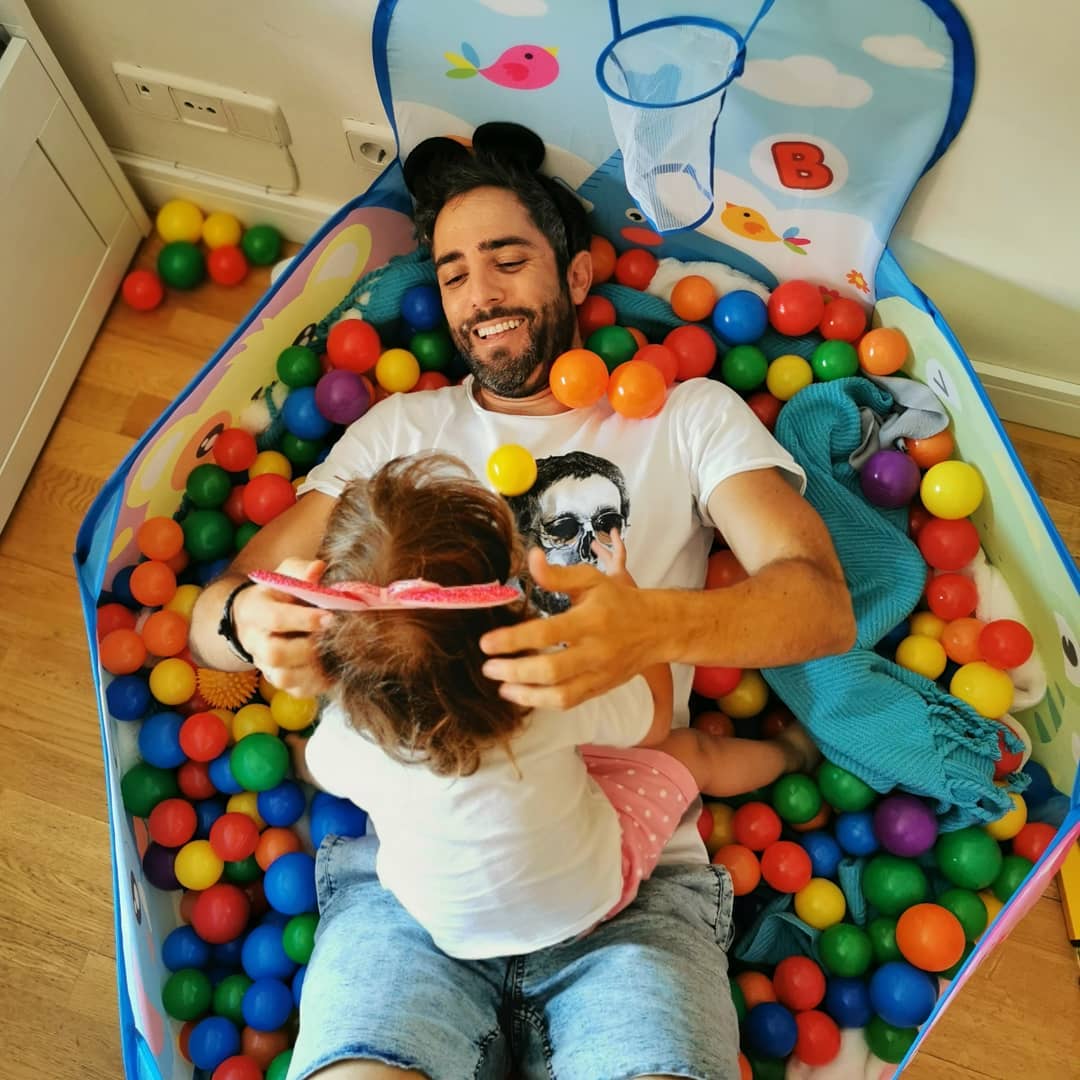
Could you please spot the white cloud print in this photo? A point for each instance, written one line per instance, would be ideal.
(811, 81)
(903, 50)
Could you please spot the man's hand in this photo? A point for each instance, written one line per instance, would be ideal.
(605, 636)
(278, 630)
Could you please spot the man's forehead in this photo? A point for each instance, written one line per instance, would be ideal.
(483, 216)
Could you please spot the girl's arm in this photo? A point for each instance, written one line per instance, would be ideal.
(297, 745)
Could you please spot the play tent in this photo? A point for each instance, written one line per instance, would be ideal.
(736, 131)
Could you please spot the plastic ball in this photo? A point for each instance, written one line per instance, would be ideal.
(183, 948)
(354, 345)
(847, 1001)
(635, 268)
(771, 1030)
(755, 987)
(796, 307)
(855, 833)
(905, 825)
(172, 822)
(511, 470)
(818, 1040)
(234, 837)
(820, 903)
(693, 298)
(128, 696)
(744, 367)
(112, 617)
(883, 351)
(208, 534)
(1006, 643)
(229, 995)
(719, 832)
(661, 357)
(892, 884)
(159, 740)
(928, 452)
(890, 479)
(397, 370)
(186, 994)
(259, 761)
(742, 865)
(636, 390)
(796, 798)
(179, 219)
(603, 258)
(715, 682)
(799, 983)
(122, 652)
(968, 857)
(948, 545)
(267, 496)
(930, 937)
(431, 380)
(844, 320)
(786, 867)
(183, 601)
(275, 842)
(748, 698)
(165, 633)
(433, 349)
(740, 318)
(756, 825)
(968, 910)
(951, 490)
(197, 865)
(220, 230)
(181, 265)
(787, 375)
(724, 570)
(254, 718)
(293, 713)
(298, 937)
(301, 414)
(278, 1069)
(889, 1042)
(594, 312)
(172, 681)
(267, 1004)
(986, 689)
(263, 955)
(261, 244)
(238, 1067)
(159, 867)
(342, 396)
(901, 994)
(834, 360)
(290, 883)
(264, 1046)
(142, 290)
(235, 449)
(951, 596)
(843, 790)
(923, 655)
(194, 780)
(1011, 822)
(1033, 839)
(213, 1039)
(694, 350)
(220, 913)
(824, 853)
(226, 265)
(882, 933)
(1014, 868)
(153, 583)
(578, 379)
(421, 307)
(221, 776)
(614, 345)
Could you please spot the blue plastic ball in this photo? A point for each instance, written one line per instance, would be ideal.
(847, 1001)
(267, 1004)
(901, 994)
(740, 317)
(263, 955)
(229, 954)
(213, 1039)
(421, 307)
(159, 740)
(282, 805)
(121, 588)
(1041, 787)
(128, 697)
(183, 948)
(824, 852)
(301, 415)
(208, 571)
(207, 811)
(855, 832)
(298, 985)
(221, 775)
(290, 883)
(771, 1030)
(331, 816)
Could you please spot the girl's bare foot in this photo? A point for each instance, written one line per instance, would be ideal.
(800, 751)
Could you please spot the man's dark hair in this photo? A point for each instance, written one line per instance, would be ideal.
(503, 156)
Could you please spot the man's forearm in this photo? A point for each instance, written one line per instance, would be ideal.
(207, 645)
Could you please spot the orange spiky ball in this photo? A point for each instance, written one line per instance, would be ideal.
(226, 689)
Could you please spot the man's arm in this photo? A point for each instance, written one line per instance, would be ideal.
(793, 607)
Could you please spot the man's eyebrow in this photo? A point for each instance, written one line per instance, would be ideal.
(485, 245)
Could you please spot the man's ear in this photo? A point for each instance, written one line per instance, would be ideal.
(579, 276)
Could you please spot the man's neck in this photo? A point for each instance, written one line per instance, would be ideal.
(542, 403)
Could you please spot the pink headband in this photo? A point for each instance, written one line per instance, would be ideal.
(415, 593)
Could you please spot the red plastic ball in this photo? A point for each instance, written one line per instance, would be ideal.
(786, 866)
(844, 320)
(765, 407)
(172, 823)
(184, 1038)
(431, 380)
(1009, 761)
(918, 518)
(220, 913)
(714, 723)
(233, 506)
(203, 736)
(694, 350)
(193, 778)
(234, 836)
(635, 268)
(796, 307)
(742, 865)
(951, 596)
(1033, 839)
(715, 682)
(354, 345)
(237, 1067)
(235, 449)
(263, 1046)
(1006, 643)
(594, 312)
(660, 356)
(226, 265)
(799, 983)
(724, 570)
(266, 496)
(603, 255)
(112, 617)
(948, 545)
(818, 1040)
(756, 825)
(142, 290)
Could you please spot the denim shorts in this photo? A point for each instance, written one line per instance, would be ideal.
(646, 992)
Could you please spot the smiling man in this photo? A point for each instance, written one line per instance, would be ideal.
(646, 993)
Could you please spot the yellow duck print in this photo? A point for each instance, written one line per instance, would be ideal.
(746, 221)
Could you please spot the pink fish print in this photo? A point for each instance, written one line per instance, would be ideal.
(521, 67)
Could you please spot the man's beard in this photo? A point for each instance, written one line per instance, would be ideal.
(551, 333)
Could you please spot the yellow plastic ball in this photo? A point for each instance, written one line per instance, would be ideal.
(787, 375)
(267, 689)
(183, 600)
(820, 903)
(270, 461)
(992, 904)
(251, 719)
(172, 681)
(293, 713)
(221, 230)
(923, 655)
(511, 470)
(197, 865)
(927, 624)
(246, 802)
(951, 489)
(986, 689)
(722, 833)
(179, 219)
(747, 699)
(397, 371)
(1011, 822)
(227, 718)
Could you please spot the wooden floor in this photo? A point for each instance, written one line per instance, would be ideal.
(1020, 1015)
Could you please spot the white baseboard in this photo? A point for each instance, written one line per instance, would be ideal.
(1036, 400)
(157, 181)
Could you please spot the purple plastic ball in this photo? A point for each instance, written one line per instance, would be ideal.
(157, 864)
(905, 825)
(342, 396)
(890, 479)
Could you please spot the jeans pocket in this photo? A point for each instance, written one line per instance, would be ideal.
(724, 927)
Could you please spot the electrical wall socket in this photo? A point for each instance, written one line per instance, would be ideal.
(370, 145)
(202, 110)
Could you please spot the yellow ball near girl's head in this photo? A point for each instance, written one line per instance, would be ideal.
(221, 230)
(179, 219)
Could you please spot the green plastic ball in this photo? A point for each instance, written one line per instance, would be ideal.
(892, 884)
(242, 871)
(208, 486)
(613, 344)
(968, 857)
(298, 937)
(208, 535)
(882, 934)
(744, 367)
(796, 798)
(764, 1068)
(1014, 868)
(244, 533)
(187, 994)
(739, 999)
(951, 973)
(259, 761)
(181, 265)
(888, 1042)
(261, 244)
(433, 349)
(846, 950)
(298, 366)
(279, 1067)
(303, 453)
(144, 786)
(229, 997)
(834, 360)
(968, 909)
(843, 790)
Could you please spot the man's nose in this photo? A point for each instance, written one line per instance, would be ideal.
(485, 289)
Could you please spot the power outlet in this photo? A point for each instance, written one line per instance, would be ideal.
(202, 110)
(371, 146)
(145, 92)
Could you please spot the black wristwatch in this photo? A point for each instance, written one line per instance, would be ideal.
(227, 627)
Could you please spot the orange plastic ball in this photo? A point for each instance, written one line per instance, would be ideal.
(165, 633)
(883, 351)
(160, 538)
(932, 450)
(961, 640)
(757, 988)
(579, 378)
(263, 1046)
(603, 255)
(274, 843)
(660, 356)
(693, 298)
(746, 1071)
(638, 336)
(724, 570)
(636, 389)
(930, 937)
(743, 866)
(122, 651)
(635, 268)
(594, 312)
(153, 583)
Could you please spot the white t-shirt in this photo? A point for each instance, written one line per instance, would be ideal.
(650, 478)
(501, 862)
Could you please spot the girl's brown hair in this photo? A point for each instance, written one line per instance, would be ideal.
(411, 679)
